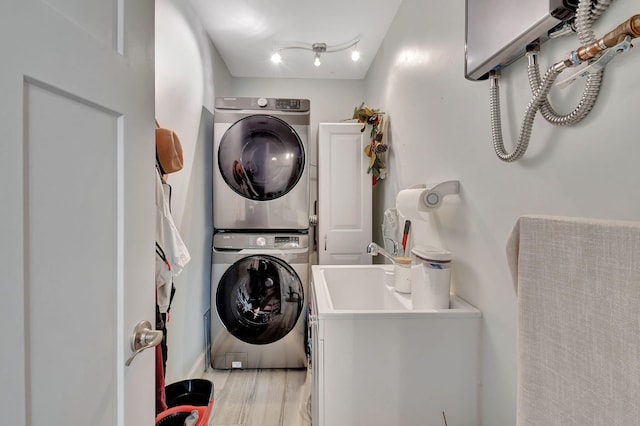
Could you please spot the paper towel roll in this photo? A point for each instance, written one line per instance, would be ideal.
(409, 202)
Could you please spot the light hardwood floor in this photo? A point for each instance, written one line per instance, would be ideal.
(260, 397)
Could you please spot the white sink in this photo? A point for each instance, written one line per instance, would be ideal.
(360, 289)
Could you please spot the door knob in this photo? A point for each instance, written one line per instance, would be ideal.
(144, 337)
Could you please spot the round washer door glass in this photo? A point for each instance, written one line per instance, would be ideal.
(261, 157)
(259, 299)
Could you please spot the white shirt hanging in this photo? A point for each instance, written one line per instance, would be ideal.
(171, 253)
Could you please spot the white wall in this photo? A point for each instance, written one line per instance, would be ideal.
(440, 129)
(187, 69)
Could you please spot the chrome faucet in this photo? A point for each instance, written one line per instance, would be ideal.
(373, 249)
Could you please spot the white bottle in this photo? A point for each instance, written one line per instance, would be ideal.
(432, 284)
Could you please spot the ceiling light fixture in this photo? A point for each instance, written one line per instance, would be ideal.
(320, 48)
(276, 58)
(355, 53)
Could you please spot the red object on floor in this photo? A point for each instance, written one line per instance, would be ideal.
(203, 413)
(161, 397)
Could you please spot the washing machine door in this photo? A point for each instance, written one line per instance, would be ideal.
(259, 299)
(261, 157)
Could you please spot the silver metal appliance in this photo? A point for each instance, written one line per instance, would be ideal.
(497, 31)
(260, 176)
(259, 300)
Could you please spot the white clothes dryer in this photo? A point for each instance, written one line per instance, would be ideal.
(259, 300)
(260, 164)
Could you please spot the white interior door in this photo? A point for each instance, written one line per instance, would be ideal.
(76, 210)
(344, 195)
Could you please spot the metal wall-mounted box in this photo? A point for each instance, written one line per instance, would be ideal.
(498, 31)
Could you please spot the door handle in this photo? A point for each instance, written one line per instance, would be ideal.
(144, 337)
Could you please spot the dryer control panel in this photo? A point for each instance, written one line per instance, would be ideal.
(239, 241)
(272, 104)
(290, 241)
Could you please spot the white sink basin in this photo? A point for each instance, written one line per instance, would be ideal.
(360, 289)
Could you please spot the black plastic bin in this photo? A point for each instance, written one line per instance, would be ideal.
(182, 398)
(189, 392)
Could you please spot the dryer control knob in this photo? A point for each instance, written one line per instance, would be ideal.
(262, 102)
(261, 241)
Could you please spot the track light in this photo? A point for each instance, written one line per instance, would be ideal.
(319, 48)
(355, 53)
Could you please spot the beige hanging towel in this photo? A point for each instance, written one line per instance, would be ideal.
(578, 286)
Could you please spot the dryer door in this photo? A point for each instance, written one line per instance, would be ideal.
(261, 157)
(259, 299)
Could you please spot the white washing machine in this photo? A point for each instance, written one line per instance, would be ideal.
(259, 298)
(260, 164)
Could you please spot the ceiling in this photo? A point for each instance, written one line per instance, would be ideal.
(247, 32)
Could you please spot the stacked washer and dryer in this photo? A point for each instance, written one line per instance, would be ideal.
(260, 256)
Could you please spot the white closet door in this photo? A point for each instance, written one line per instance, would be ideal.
(344, 195)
